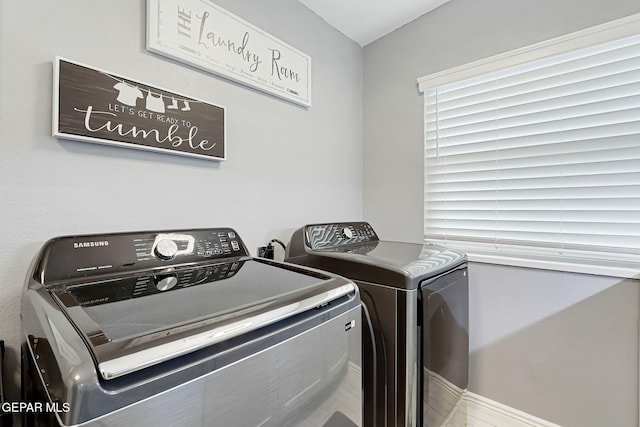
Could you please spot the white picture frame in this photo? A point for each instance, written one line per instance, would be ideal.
(204, 35)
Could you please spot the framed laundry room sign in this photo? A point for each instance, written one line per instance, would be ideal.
(93, 105)
(202, 34)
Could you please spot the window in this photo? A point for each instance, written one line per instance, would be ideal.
(541, 156)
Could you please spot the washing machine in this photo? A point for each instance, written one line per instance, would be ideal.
(6, 418)
(184, 328)
(416, 316)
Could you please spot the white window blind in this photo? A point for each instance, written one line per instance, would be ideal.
(543, 156)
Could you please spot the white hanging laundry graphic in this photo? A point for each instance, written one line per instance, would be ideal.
(174, 104)
(155, 103)
(128, 95)
(186, 106)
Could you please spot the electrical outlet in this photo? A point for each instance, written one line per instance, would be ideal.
(266, 252)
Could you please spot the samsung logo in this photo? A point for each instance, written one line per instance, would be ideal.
(78, 245)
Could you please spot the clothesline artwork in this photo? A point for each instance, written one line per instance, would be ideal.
(129, 95)
(92, 105)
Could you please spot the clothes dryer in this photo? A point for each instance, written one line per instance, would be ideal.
(416, 311)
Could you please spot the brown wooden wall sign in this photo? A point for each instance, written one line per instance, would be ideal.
(97, 106)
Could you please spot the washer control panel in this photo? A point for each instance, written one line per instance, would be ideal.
(338, 234)
(71, 257)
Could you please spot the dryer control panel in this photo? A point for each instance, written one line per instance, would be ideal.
(83, 257)
(319, 236)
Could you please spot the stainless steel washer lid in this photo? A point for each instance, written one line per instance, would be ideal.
(130, 324)
(355, 251)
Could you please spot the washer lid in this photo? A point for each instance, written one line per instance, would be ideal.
(134, 322)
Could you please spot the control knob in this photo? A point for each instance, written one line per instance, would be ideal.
(164, 282)
(166, 249)
(347, 233)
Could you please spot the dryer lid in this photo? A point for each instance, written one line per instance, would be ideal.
(353, 249)
(415, 261)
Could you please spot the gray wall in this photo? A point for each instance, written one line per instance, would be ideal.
(276, 176)
(560, 346)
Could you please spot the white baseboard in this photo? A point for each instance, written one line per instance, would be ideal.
(452, 406)
(481, 412)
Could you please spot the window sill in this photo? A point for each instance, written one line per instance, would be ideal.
(627, 270)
